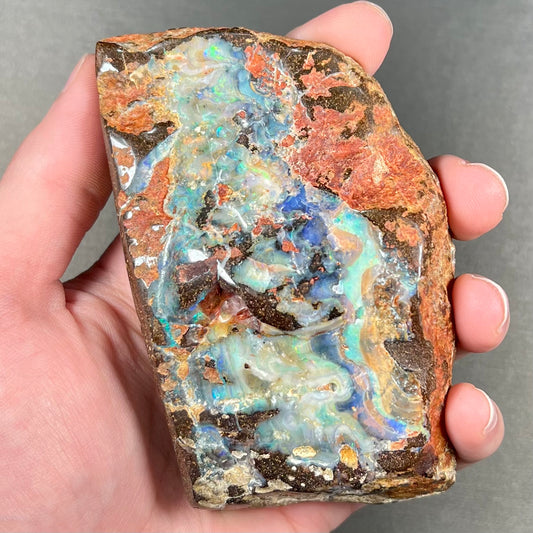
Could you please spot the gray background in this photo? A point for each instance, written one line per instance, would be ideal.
(460, 77)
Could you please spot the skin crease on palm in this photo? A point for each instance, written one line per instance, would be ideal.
(83, 439)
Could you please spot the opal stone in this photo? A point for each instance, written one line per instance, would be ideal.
(289, 255)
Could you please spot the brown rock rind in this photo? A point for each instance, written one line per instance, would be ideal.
(408, 196)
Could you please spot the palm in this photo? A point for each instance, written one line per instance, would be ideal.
(83, 439)
(87, 387)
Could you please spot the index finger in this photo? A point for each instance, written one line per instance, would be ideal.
(361, 30)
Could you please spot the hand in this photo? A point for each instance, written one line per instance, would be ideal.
(83, 439)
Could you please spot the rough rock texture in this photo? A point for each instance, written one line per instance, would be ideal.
(288, 251)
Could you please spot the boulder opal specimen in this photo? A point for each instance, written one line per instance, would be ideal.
(289, 255)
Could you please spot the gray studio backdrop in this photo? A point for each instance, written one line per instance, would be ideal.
(460, 77)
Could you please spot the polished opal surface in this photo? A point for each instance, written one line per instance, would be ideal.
(272, 290)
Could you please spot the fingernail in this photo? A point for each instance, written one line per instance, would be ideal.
(295, 32)
(74, 73)
(493, 414)
(381, 11)
(498, 176)
(504, 300)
